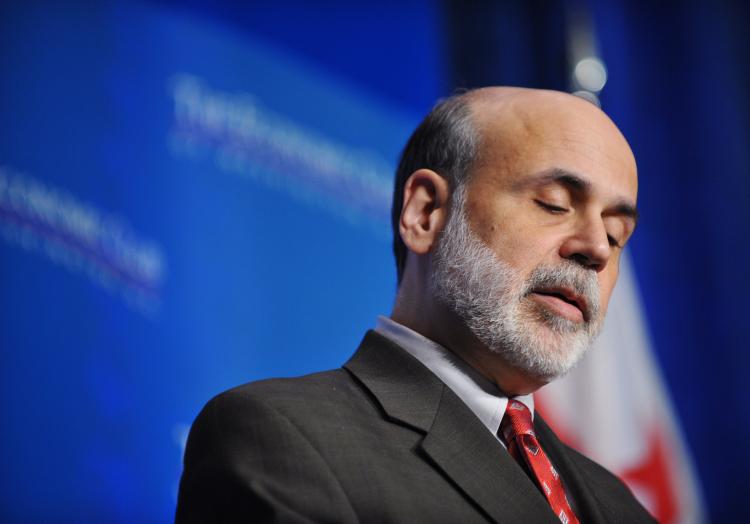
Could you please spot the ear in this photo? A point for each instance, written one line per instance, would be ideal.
(424, 212)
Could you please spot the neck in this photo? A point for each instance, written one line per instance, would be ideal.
(423, 314)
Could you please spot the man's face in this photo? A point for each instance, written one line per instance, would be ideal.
(548, 207)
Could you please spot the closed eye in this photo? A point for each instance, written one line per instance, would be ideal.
(557, 210)
(613, 242)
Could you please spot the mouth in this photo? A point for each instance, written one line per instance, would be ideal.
(564, 302)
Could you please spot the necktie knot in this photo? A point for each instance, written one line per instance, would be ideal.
(517, 421)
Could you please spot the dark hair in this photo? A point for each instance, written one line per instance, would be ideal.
(446, 142)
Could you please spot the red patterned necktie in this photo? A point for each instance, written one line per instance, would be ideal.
(518, 432)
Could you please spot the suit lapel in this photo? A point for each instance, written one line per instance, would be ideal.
(455, 441)
(406, 390)
(587, 505)
(465, 451)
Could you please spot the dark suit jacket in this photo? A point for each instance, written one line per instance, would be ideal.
(381, 440)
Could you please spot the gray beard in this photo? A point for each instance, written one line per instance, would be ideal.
(491, 298)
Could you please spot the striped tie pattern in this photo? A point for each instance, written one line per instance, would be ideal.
(518, 431)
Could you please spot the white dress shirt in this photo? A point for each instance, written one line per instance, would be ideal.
(481, 396)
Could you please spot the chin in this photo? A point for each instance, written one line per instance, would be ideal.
(546, 352)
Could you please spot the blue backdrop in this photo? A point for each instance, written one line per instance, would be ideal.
(195, 196)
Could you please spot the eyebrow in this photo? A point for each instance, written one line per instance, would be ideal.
(575, 182)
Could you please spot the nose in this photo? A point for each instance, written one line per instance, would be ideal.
(588, 245)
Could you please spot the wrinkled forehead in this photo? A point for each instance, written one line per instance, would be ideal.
(522, 130)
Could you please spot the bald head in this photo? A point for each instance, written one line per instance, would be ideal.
(511, 122)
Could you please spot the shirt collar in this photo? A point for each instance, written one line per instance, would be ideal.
(481, 396)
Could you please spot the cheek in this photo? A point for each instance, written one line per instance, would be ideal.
(513, 234)
(524, 252)
(521, 243)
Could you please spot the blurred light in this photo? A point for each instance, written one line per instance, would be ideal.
(590, 74)
(588, 95)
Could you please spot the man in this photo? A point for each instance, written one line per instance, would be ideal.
(511, 208)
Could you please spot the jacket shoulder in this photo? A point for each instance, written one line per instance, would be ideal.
(249, 455)
(309, 393)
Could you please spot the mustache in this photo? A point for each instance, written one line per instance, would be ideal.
(581, 281)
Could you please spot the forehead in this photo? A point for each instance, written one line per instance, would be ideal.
(524, 136)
